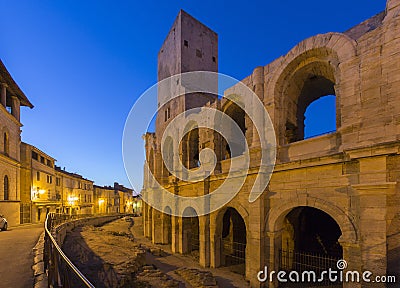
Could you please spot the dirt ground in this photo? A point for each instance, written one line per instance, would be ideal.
(118, 255)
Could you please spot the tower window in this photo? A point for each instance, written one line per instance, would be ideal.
(198, 53)
(213, 59)
(186, 43)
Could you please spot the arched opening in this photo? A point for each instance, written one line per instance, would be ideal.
(239, 116)
(310, 241)
(6, 188)
(190, 146)
(320, 117)
(168, 156)
(309, 86)
(5, 144)
(233, 241)
(191, 232)
(167, 226)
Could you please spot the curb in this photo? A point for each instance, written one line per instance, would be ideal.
(39, 274)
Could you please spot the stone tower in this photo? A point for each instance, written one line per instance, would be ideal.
(189, 46)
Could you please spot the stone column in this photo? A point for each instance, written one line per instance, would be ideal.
(181, 238)
(372, 210)
(352, 255)
(215, 243)
(273, 245)
(3, 94)
(175, 234)
(204, 250)
(255, 247)
(156, 230)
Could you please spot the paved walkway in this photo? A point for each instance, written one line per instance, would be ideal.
(16, 255)
(168, 264)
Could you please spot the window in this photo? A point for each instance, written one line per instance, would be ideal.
(58, 181)
(320, 117)
(186, 43)
(167, 114)
(49, 179)
(198, 53)
(38, 176)
(5, 143)
(49, 163)
(41, 159)
(6, 188)
(35, 155)
(213, 59)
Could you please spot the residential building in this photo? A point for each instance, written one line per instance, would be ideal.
(39, 193)
(76, 191)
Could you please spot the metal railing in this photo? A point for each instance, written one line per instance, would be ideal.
(61, 272)
(298, 261)
(235, 252)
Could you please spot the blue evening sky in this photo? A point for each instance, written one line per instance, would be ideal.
(83, 63)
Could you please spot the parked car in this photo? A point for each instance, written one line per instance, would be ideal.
(3, 223)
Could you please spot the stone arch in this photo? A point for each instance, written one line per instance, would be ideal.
(312, 63)
(168, 156)
(236, 111)
(190, 148)
(190, 231)
(167, 225)
(233, 236)
(345, 221)
(217, 227)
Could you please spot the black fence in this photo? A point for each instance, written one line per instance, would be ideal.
(300, 262)
(61, 271)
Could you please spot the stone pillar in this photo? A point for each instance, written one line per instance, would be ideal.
(252, 135)
(372, 210)
(215, 243)
(156, 230)
(352, 255)
(255, 247)
(182, 241)
(204, 250)
(272, 247)
(175, 234)
(3, 94)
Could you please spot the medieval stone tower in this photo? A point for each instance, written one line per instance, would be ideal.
(334, 196)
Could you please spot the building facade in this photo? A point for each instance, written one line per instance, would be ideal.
(11, 98)
(335, 195)
(39, 193)
(76, 192)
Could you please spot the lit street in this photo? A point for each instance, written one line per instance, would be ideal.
(16, 255)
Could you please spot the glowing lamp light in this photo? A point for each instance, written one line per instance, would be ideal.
(101, 201)
(72, 199)
(41, 191)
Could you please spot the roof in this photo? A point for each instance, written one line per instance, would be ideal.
(58, 169)
(38, 150)
(5, 77)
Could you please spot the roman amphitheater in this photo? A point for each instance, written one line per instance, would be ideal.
(332, 196)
